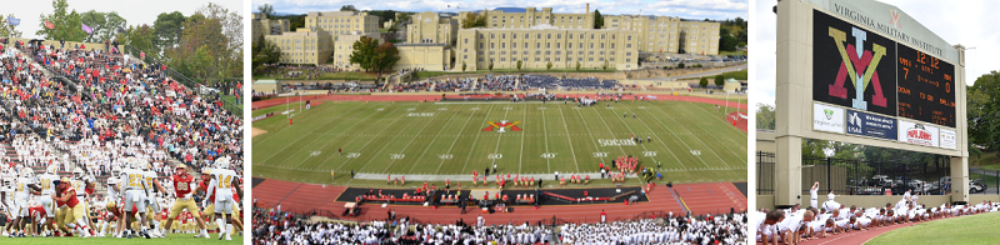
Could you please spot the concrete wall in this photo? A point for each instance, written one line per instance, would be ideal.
(431, 58)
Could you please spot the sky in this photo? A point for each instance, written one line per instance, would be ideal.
(692, 9)
(970, 23)
(135, 12)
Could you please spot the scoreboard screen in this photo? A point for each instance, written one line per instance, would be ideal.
(857, 68)
(926, 87)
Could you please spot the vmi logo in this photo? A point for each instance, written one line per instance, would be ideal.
(502, 125)
(894, 18)
(859, 67)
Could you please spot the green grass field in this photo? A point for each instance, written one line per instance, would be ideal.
(172, 239)
(975, 229)
(692, 140)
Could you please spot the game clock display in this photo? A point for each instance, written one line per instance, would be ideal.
(926, 87)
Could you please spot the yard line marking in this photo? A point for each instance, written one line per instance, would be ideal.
(699, 140)
(408, 144)
(724, 121)
(520, 157)
(487, 117)
(659, 140)
(456, 140)
(262, 139)
(497, 149)
(300, 138)
(590, 132)
(363, 147)
(741, 157)
(640, 138)
(678, 138)
(429, 145)
(546, 132)
(316, 138)
(610, 131)
(570, 141)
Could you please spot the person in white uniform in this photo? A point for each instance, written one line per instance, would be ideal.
(223, 181)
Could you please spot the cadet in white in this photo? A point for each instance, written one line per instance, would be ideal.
(48, 181)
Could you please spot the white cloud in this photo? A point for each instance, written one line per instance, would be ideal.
(135, 12)
(970, 23)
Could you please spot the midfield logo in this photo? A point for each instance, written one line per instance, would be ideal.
(858, 66)
(502, 126)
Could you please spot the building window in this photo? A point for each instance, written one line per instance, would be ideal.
(539, 36)
(592, 45)
(612, 36)
(602, 36)
(503, 59)
(465, 57)
(628, 53)
(548, 45)
(557, 59)
(526, 44)
(480, 46)
(503, 45)
(569, 45)
(558, 36)
(480, 59)
(629, 38)
(549, 36)
(612, 45)
(537, 59)
(503, 52)
(492, 52)
(558, 45)
(591, 36)
(466, 41)
(513, 45)
(602, 45)
(493, 36)
(602, 52)
(503, 36)
(538, 45)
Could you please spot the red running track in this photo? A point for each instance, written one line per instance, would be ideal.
(306, 198)
(280, 101)
(713, 198)
(737, 121)
(856, 237)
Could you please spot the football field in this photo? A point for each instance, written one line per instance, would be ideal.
(691, 140)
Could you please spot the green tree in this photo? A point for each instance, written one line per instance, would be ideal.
(983, 113)
(548, 66)
(266, 9)
(491, 65)
(463, 66)
(201, 62)
(386, 55)
(169, 27)
(598, 19)
(681, 65)
(264, 52)
(348, 8)
(703, 82)
(719, 80)
(104, 25)
(221, 32)
(474, 20)
(765, 116)
(364, 53)
(140, 37)
(727, 42)
(7, 30)
(605, 66)
(519, 65)
(67, 24)
(577, 66)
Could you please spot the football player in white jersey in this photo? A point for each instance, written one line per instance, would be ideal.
(114, 189)
(7, 197)
(223, 180)
(135, 196)
(151, 203)
(25, 185)
(82, 183)
(48, 182)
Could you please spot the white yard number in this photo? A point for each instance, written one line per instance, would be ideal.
(445, 156)
(474, 108)
(353, 155)
(548, 155)
(695, 152)
(442, 109)
(315, 153)
(495, 156)
(380, 109)
(396, 156)
(642, 107)
(576, 107)
(411, 109)
(649, 153)
(508, 108)
(611, 107)
(541, 108)
(600, 154)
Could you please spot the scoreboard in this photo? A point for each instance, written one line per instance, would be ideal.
(858, 68)
(926, 87)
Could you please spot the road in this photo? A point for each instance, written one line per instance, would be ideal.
(701, 74)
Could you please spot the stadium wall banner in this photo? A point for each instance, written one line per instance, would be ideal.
(828, 118)
(916, 133)
(262, 117)
(949, 140)
(871, 125)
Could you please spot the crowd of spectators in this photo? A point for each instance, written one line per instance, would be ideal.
(273, 227)
(98, 107)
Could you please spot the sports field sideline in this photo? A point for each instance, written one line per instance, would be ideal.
(692, 140)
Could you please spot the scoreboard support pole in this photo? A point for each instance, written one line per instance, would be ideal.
(960, 164)
(790, 101)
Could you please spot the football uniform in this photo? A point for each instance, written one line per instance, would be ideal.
(182, 191)
(221, 185)
(134, 182)
(48, 184)
(22, 193)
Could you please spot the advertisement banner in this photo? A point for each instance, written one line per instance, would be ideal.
(860, 123)
(949, 139)
(916, 133)
(828, 118)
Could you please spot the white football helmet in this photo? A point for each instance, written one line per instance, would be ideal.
(52, 169)
(27, 173)
(115, 171)
(78, 173)
(222, 163)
